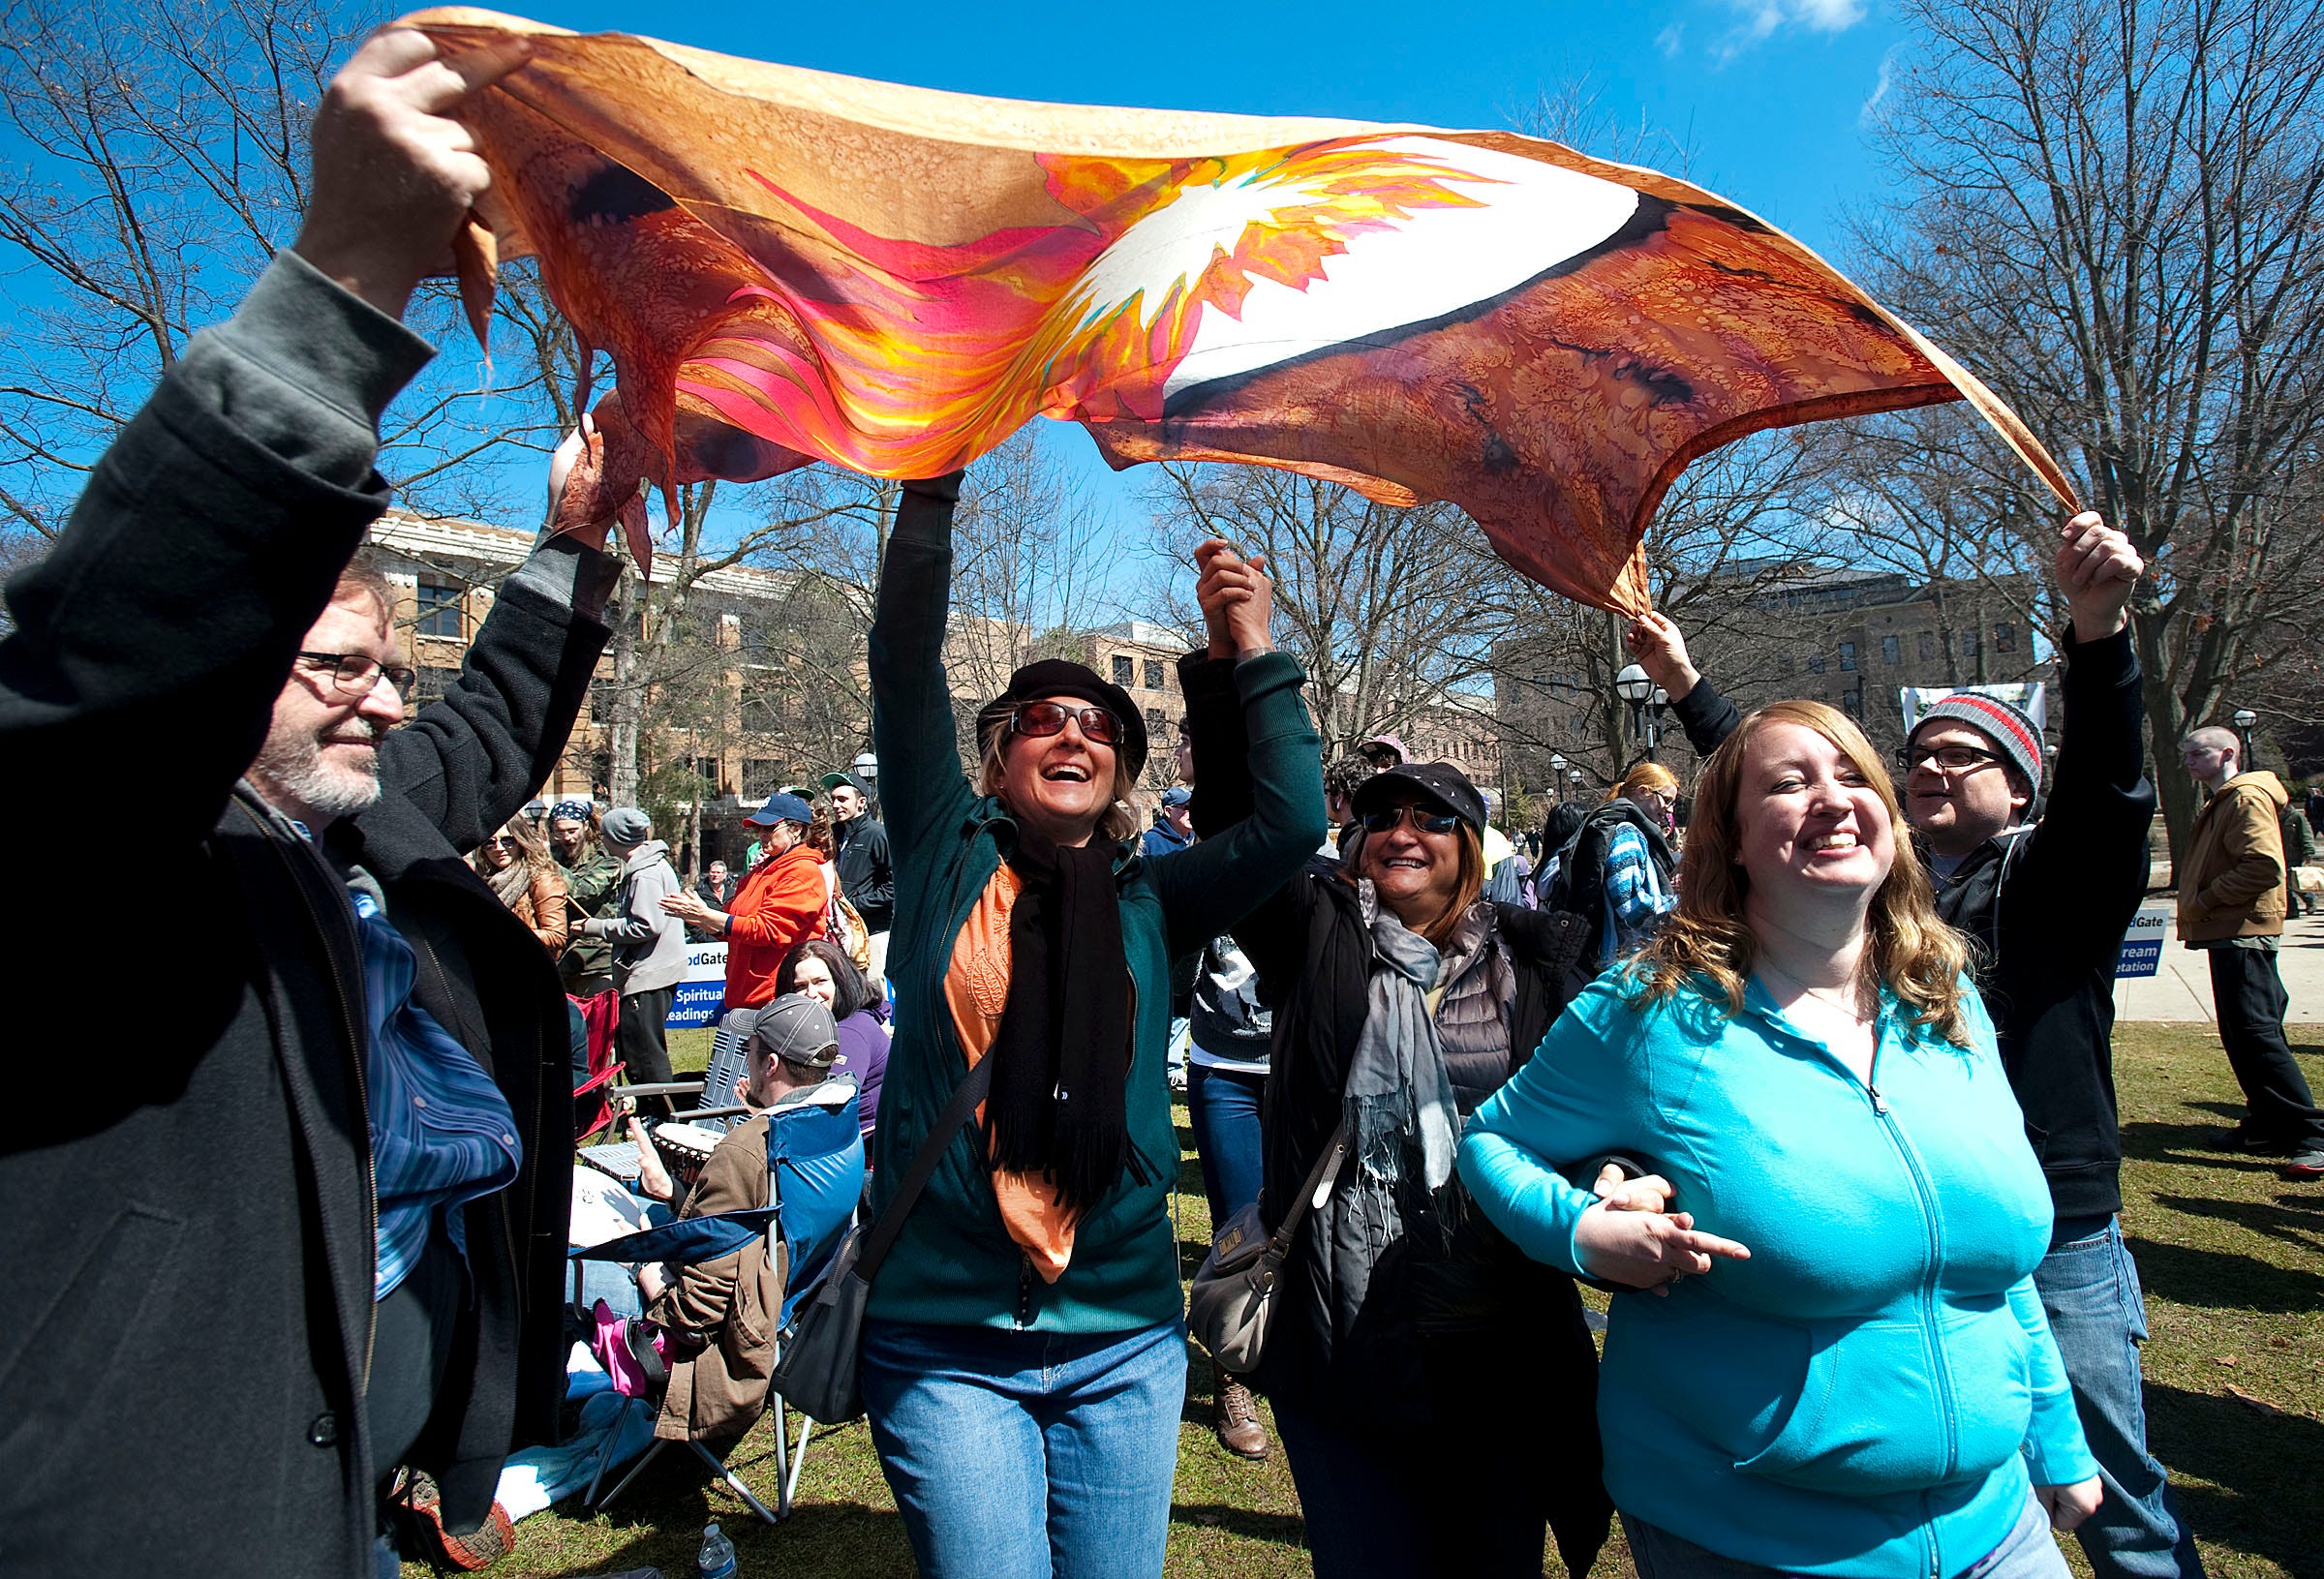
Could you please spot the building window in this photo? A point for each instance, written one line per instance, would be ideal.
(1156, 680)
(1851, 702)
(2004, 637)
(1892, 650)
(1815, 663)
(1969, 643)
(1848, 656)
(1125, 671)
(762, 776)
(1928, 647)
(440, 610)
(707, 769)
(1156, 726)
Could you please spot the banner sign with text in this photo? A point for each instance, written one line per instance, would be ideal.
(2142, 944)
(701, 990)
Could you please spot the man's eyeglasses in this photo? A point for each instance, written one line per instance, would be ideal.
(356, 673)
(1428, 822)
(1038, 721)
(1953, 759)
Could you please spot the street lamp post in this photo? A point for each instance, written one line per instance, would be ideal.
(1557, 775)
(1573, 784)
(1634, 688)
(2244, 719)
(867, 769)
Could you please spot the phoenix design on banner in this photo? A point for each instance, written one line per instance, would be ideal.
(787, 267)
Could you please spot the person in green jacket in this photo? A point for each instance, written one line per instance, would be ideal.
(1024, 1357)
(591, 876)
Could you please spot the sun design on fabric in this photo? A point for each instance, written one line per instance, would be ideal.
(1223, 228)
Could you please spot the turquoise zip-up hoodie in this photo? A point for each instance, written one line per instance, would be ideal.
(954, 1263)
(1874, 1392)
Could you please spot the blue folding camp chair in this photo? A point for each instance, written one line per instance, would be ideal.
(815, 1177)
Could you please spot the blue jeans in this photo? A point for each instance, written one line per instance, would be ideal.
(2031, 1552)
(1021, 1455)
(2089, 1287)
(1223, 1106)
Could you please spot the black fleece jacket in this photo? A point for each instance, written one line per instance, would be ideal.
(2046, 908)
(186, 1319)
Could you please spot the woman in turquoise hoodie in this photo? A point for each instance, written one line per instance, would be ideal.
(1847, 1370)
(1024, 1353)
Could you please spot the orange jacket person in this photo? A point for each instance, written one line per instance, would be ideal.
(780, 902)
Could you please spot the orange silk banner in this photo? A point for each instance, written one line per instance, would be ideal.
(789, 266)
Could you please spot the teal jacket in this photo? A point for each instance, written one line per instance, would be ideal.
(954, 1263)
(1867, 1394)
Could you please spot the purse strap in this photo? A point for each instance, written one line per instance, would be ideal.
(1326, 1168)
(957, 1112)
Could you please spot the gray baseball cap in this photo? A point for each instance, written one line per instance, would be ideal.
(798, 1030)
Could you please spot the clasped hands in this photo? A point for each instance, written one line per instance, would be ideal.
(1632, 1237)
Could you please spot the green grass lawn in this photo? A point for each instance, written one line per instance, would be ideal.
(2233, 1260)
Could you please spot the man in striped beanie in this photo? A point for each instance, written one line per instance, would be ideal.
(1967, 731)
(2048, 903)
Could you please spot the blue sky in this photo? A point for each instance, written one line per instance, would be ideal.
(1767, 95)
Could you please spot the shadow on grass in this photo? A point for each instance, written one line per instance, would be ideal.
(2224, 1280)
(2260, 1502)
(2295, 1219)
(1283, 1529)
(2189, 1146)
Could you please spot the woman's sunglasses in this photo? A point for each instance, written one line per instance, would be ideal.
(1037, 720)
(505, 842)
(1428, 822)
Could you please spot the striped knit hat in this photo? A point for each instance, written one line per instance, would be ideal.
(2007, 726)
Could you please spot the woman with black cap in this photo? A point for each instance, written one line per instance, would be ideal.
(1411, 1336)
(1024, 1358)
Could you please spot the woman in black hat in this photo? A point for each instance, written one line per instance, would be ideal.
(1024, 1358)
(1433, 1389)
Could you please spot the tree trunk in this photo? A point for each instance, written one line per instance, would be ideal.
(627, 710)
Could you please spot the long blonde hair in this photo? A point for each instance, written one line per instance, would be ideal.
(1116, 823)
(1912, 953)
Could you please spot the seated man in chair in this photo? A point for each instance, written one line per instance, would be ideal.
(719, 1317)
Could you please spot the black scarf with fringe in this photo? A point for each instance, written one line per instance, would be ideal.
(1061, 1053)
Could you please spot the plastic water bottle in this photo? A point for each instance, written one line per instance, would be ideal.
(716, 1561)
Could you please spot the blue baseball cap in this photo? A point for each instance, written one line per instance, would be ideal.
(1177, 795)
(782, 806)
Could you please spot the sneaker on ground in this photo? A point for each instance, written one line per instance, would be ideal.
(2307, 1163)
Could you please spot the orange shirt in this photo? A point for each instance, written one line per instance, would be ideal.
(780, 903)
(976, 988)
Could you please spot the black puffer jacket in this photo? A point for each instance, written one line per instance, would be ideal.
(1475, 1340)
(186, 1315)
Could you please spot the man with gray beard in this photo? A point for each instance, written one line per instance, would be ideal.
(301, 1250)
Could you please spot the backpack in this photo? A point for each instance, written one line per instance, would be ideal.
(1578, 885)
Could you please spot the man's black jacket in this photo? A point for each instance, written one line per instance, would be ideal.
(186, 1312)
(867, 876)
(2046, 919)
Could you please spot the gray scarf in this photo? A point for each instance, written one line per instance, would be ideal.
(1403, 1127)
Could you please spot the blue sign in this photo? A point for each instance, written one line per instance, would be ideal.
(2142, 945)
(701, 990)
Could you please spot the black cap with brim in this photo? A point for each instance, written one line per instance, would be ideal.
(1060, 676)
(1438, 782)
(833, 780)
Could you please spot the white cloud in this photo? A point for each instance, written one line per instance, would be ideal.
(1671, 38)
(1880, 85)
(1760, 19)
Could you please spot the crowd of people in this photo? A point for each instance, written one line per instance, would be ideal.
(1817, 1083)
